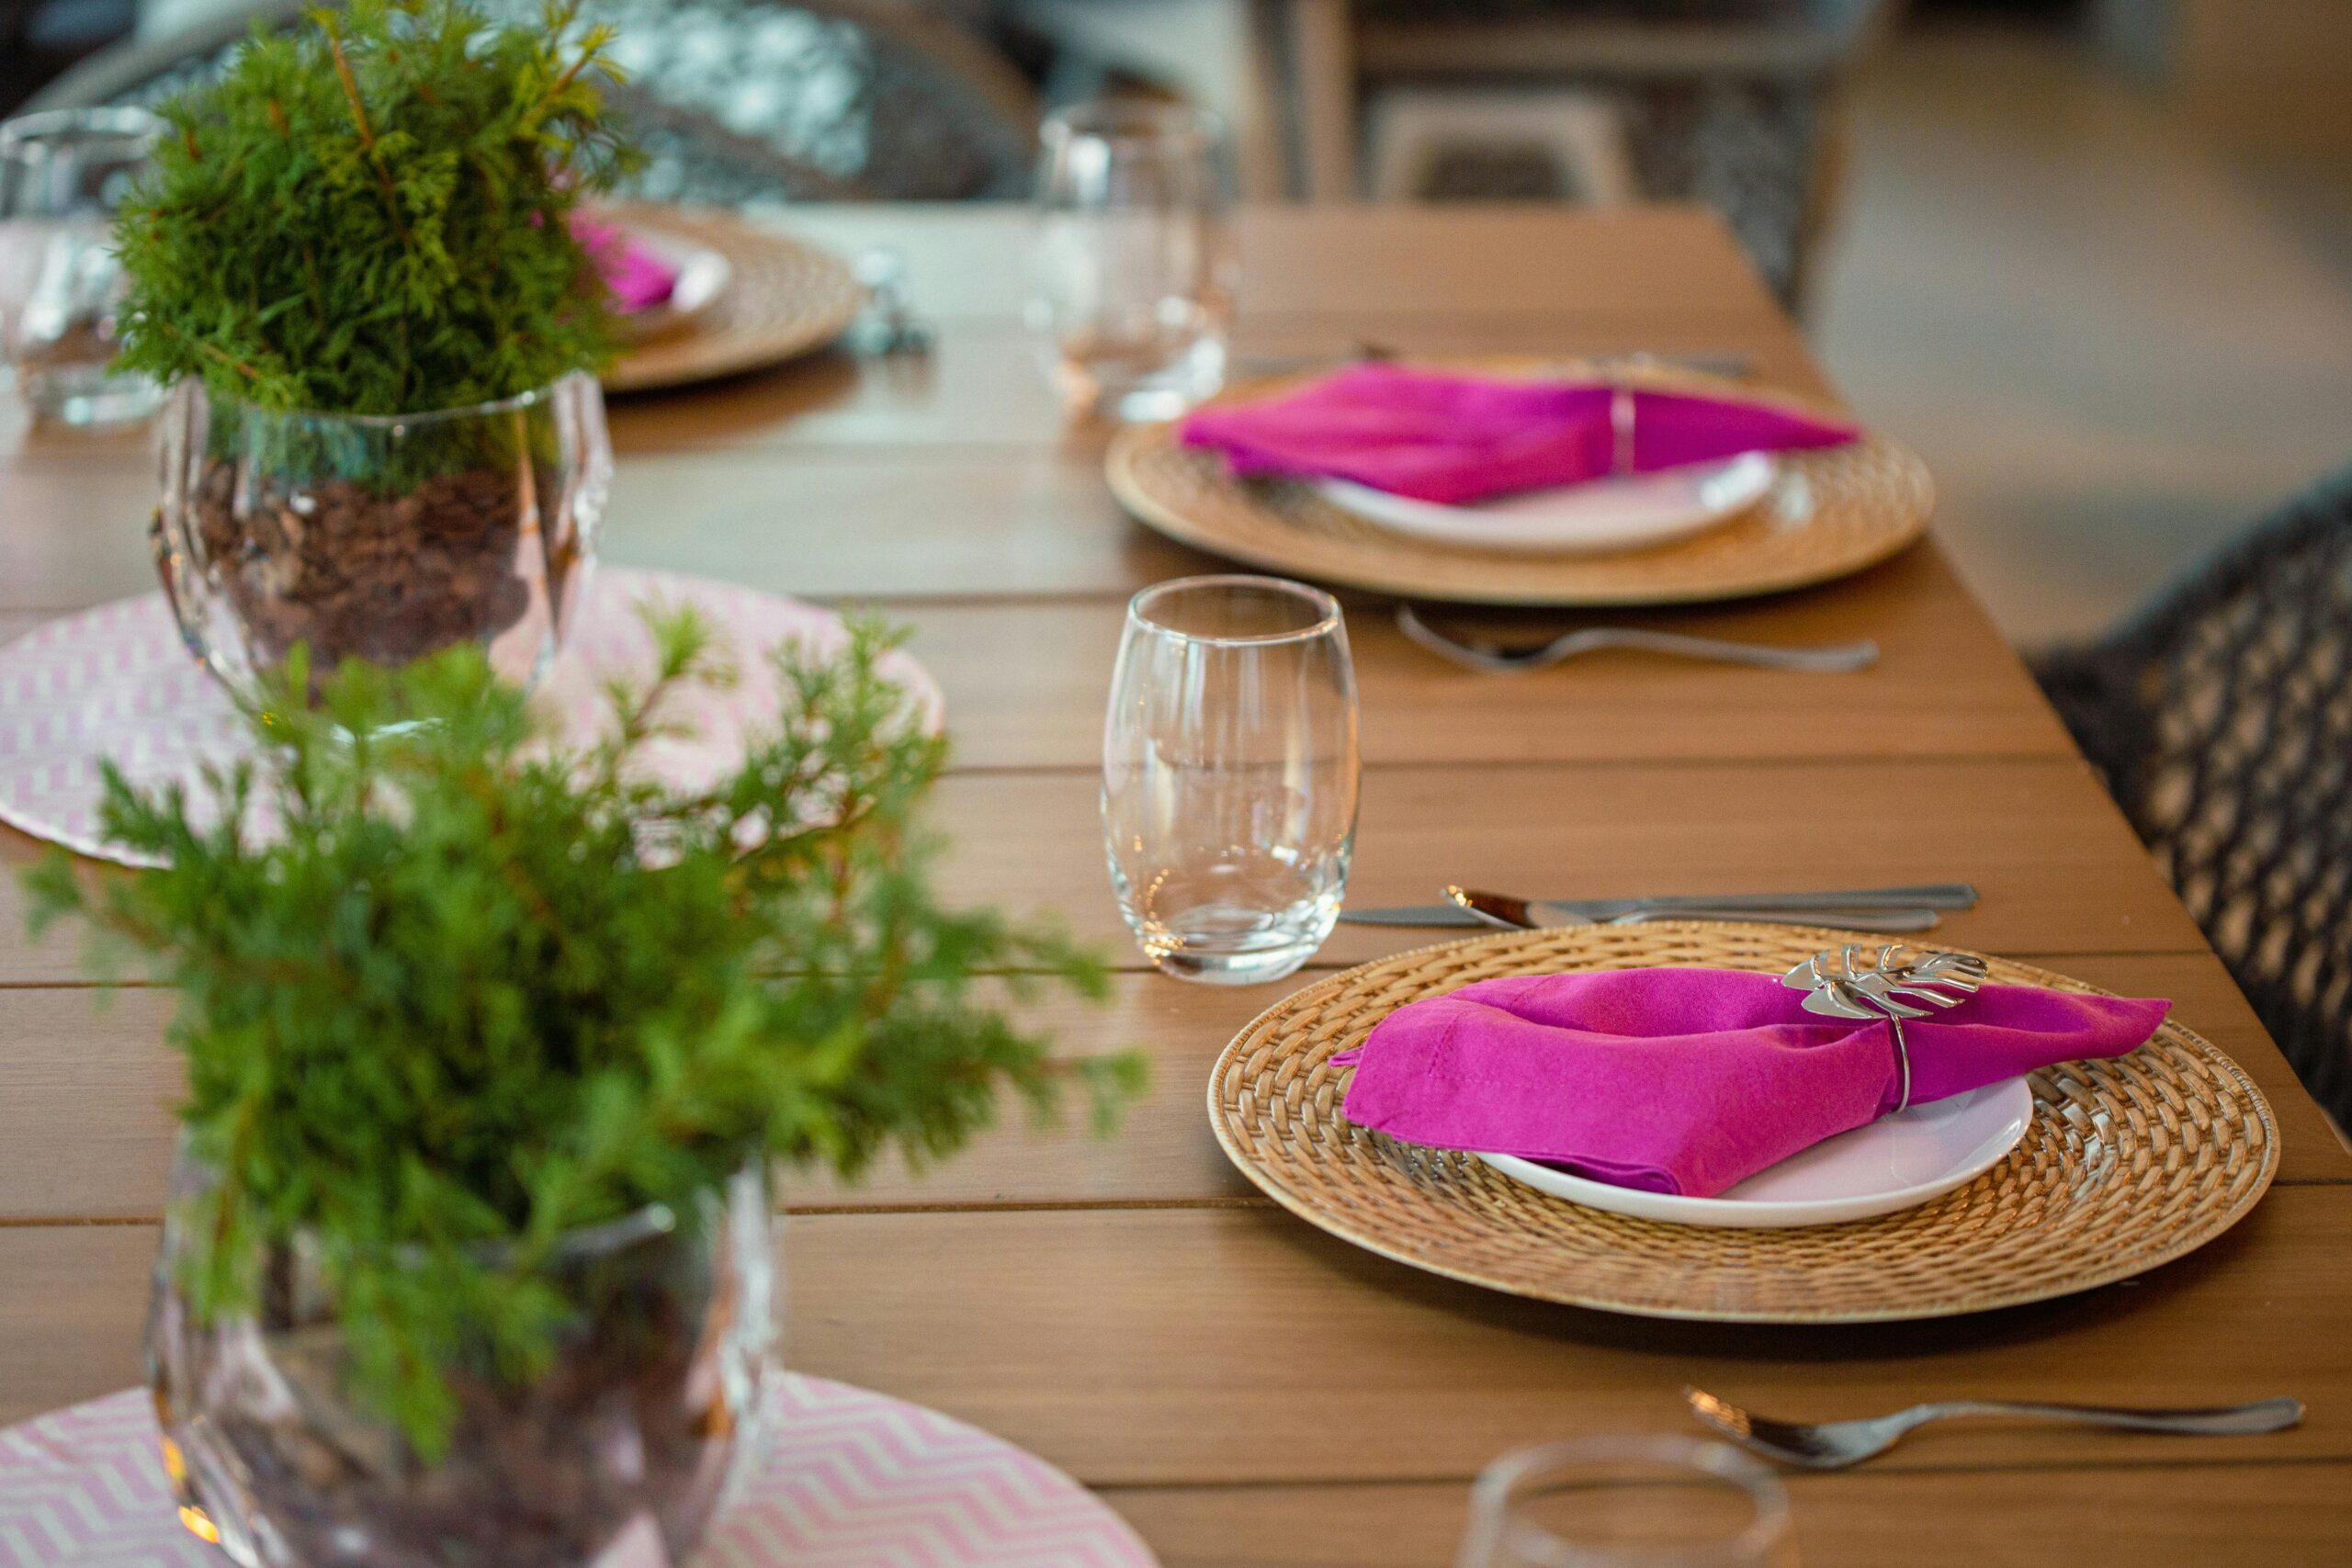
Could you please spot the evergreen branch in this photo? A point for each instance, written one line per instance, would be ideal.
(477, 993)
(325, 21)
(390, 165)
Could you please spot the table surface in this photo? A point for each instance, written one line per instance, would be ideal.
(1243, 1388)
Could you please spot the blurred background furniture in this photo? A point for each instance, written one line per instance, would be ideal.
(736, 101)
(1734, 103)
(2221, 719)
(1538, 144)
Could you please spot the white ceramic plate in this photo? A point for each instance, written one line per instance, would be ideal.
(1897, 1162)
(703, 275)
(1600, 514)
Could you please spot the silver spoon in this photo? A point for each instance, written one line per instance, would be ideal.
(1834, 1445)
(1834, 658)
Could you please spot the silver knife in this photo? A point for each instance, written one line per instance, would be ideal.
(1929, 895)
(1518, 914)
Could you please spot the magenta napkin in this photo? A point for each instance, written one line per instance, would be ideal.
(1453, 439)
(637, 278)
(1690, 1080)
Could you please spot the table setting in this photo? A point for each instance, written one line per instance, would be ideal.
(634, 1092)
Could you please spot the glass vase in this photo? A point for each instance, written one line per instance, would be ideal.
(623, 1452)
(380, 537)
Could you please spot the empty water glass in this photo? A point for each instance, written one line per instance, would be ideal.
(1132, 271)
(1654, 1502)
(1230, 775)
(61, 175)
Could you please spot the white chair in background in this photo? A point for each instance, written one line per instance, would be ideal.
(1571, 143)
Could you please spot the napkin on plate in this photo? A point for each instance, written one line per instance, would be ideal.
(1453, 439)
(637, 278)
(1690, 1080)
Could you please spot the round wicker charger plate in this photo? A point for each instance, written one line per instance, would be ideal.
(782, 299)
(1832, 512)
(2129, 1163)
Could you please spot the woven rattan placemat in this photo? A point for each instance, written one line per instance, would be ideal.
(1833, 511)
(784, 298)
(2129, 1162)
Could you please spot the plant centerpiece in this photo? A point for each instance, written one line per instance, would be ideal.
(489, 1047)
(353, 255)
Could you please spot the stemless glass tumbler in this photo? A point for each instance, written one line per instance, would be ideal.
(61, 175)
(1132, 272)
(1230, 775)
(1656, 1501)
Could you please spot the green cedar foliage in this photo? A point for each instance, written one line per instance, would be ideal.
(479, 992)
(367, 215)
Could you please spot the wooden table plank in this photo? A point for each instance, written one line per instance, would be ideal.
(1026, 685)
(2155, 1515)
(830, 478)
(86, 1084)
(2058, 870)
(982, 384)
(1026, 681)
(972, 260)
(1169, 1347)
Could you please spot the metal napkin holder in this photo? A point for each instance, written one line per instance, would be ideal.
(1844, 984)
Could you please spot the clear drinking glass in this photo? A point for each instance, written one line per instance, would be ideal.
(1654, 1502)
(61, 175)
(1132, 271)
(380, 536)
(1230, 775)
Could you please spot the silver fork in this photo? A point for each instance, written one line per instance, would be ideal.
(1831, 658)
(1834, 1445)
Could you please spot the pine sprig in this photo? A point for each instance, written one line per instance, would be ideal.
(368, 215)
(478, 994)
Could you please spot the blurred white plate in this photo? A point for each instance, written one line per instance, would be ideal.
(1897, 1162)
(1599, 514)
(703, 275)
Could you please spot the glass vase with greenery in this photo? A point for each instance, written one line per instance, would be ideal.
(490, 1045)
(353, 256)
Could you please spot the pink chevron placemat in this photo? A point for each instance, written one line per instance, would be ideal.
(117, 682)
(850, 1479)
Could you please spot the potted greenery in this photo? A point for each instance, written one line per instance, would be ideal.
(353, 255)
(489, 1047)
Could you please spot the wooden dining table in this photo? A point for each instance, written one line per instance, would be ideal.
(1242, 1388)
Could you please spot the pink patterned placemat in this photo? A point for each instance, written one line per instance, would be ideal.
(850, 1479)
(117, 682)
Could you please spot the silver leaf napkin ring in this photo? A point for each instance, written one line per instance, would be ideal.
(1844, 984)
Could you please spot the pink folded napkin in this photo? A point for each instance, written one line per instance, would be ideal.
(637, 278)
(1690, 1080)
(1453, 439)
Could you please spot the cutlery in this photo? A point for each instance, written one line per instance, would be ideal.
(1730, 365)
(1827, 659)
(1518, 915)
(1576, 910)
(1924, 896)
(887, 325)
(1833, 1445)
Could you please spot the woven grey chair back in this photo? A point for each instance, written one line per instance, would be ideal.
(1730, 103)
(734, 101)
(2221, 719)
